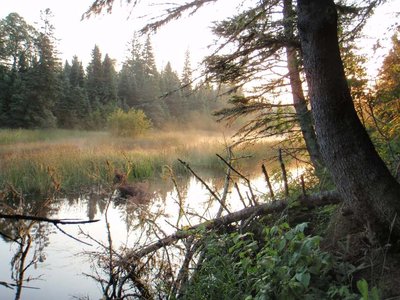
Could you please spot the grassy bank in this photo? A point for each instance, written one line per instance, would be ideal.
(36, 160)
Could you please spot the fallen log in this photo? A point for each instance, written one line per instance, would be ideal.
(309, 201)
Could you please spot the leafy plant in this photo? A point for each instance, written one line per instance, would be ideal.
(284, 264)
(128, 124)
(366, 294)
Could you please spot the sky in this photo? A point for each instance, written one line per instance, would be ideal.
(112, 32)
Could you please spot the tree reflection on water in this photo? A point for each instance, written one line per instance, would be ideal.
(29, 238)
(127, 225)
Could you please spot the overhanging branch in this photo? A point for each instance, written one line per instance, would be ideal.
(310, 201)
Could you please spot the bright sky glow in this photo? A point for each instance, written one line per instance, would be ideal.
(112, 32)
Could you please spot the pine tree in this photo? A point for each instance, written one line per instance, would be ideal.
(73, 109)
(131, 77)
(101, 88)
(17, 54)
(43, 87)
(126, 87)
(109, 85)
(76, 74)
(148, 86)
(170, 89)
(94, 80)
(150, 68)
(38, 87)
(186, 77)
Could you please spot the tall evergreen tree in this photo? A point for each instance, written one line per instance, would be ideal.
(37, 84)
(109, 79)
(76, 74)
(101, 88)
(43, 82)
(72, 109)
(373, 195)
(126, 87)
(186, 77)
(170, 89)
(94, 80)
(131, 77)
(17, 54)
(149, 85)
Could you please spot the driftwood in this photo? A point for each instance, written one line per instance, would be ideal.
(310, 201)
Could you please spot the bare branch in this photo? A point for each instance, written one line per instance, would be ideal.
(310, 201)
(44, 219)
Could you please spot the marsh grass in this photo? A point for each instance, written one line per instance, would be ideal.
(12, 136)
(41, 160)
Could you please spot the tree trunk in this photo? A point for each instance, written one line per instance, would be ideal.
(360, 175)
(299, 101)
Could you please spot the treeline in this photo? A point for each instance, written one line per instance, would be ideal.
(38, 91)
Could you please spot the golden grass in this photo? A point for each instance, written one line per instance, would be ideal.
(32, 161)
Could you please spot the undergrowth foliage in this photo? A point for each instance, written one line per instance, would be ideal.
(128, 124)
(284, 264)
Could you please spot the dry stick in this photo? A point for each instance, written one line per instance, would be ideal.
(311, 201)
(253, 198)
(181, 201)
(271, 191)
(184, 268)
(7, 237)
(303, 186)
(112, 282)
(284, 175)
(186, 165)
(43, 219)
(240, 195)
(10, 285)
(226, 184)
(71, 236)
(168, 257)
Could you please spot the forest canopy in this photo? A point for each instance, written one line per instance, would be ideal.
(40, 91)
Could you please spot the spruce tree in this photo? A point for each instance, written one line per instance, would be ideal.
(109, 85)
(39, 86)
(172, 95)
(101, 88)
(94, 80)
(73, 109)
(148, 86)
(17, 54)
(186, 77)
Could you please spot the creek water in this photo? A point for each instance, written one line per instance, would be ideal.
(60, 264)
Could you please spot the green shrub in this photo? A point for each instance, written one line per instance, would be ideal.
(128, 124)
(285, 265)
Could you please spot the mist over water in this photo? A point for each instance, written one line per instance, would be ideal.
(57, 266)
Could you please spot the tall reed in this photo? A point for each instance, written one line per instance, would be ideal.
(37, 160)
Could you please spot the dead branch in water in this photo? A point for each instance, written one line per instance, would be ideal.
(310, 201)
(186, 165)
(271, 191)
(284, 174)
(253, 197)
(44, 219)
